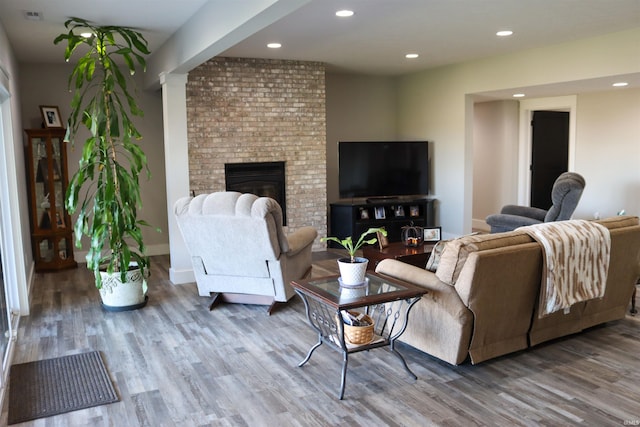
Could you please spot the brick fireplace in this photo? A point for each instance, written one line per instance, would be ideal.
(243, 110)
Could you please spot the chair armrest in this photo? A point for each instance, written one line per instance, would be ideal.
(439, 292)
(300, 239)
(503, 222)
(527, 211)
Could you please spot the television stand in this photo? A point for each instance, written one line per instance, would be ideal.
(352, 218)
(379, 199)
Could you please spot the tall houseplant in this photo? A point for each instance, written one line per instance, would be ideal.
(105, 191)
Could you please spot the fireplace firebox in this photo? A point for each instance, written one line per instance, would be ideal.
(264, 179)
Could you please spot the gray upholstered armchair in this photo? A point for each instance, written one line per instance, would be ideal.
(566, 192)
(239, 250)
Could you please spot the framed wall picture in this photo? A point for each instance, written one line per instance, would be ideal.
(432, 234)
(51, 117)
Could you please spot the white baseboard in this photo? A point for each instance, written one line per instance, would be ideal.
(180, 277)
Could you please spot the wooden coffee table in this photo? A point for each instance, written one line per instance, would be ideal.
(386, 300)
(418, 255)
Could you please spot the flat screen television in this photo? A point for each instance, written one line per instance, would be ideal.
(380, 169)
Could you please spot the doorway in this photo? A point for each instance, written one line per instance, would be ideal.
(549, 154)
(564, 104)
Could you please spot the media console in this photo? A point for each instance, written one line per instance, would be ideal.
(353, 217)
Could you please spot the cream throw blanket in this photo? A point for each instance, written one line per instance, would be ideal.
(576, 262)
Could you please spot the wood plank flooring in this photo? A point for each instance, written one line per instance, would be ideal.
(174, 363)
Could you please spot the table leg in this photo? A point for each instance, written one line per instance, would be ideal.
(345, 360)
(306, 359)
(404, 362)
(394, 336)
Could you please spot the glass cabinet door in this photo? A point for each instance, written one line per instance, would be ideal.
(51, 230)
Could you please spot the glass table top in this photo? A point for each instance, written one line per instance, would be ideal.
(376, 288)
(373, 285)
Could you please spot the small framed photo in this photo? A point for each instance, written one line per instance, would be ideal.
(432, 234)
(414, 211)
(383, 242)
(51, 117)
(364, 213)
(399, 211)
(380, 212)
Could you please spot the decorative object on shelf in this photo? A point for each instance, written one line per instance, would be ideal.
(353, 269)
(432, 234)
(383, 242)
(412, 235)
(379, 211)
(51, 117)
(111, 159)
(364, 213)
(398, 211)
(414, 211)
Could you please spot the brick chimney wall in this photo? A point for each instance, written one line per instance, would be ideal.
(261, 110)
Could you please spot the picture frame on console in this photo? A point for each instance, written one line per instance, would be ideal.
(383, 241)
(399, 211)
(432, 234)
(379, 211)
(364, 213)
(414, 211)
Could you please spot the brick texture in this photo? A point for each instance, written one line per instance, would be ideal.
(260, 110)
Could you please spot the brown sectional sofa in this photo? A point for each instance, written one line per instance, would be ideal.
(483, 298)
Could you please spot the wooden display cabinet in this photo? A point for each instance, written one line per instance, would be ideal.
(353, 217)
(51, 228)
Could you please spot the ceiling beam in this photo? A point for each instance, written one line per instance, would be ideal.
(217, 26)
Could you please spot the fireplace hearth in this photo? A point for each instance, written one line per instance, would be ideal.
(264, 179)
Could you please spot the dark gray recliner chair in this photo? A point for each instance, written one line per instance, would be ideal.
(566, 192)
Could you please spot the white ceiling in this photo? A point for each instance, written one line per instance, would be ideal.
(373, 41)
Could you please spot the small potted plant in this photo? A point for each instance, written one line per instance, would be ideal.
(353, 268)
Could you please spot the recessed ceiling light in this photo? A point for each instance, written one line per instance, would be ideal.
(274, 45)
(504, 33)
(344, 13)
(620, 84)
(411, 55)
(518, 95)
(86, 35)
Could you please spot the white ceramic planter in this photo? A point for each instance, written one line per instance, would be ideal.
(119, 296)
(352, 273)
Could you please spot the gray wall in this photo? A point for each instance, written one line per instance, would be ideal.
(359, 108)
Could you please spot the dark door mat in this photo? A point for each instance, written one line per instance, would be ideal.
(56, 386)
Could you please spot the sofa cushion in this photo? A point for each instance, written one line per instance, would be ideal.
(436, 254)
(457, 250)
(618, 221)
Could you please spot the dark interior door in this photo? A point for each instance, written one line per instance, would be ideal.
(549, 153)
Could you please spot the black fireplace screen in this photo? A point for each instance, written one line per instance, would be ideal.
(264, 179)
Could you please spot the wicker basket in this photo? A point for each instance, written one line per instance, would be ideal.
(359, 334)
